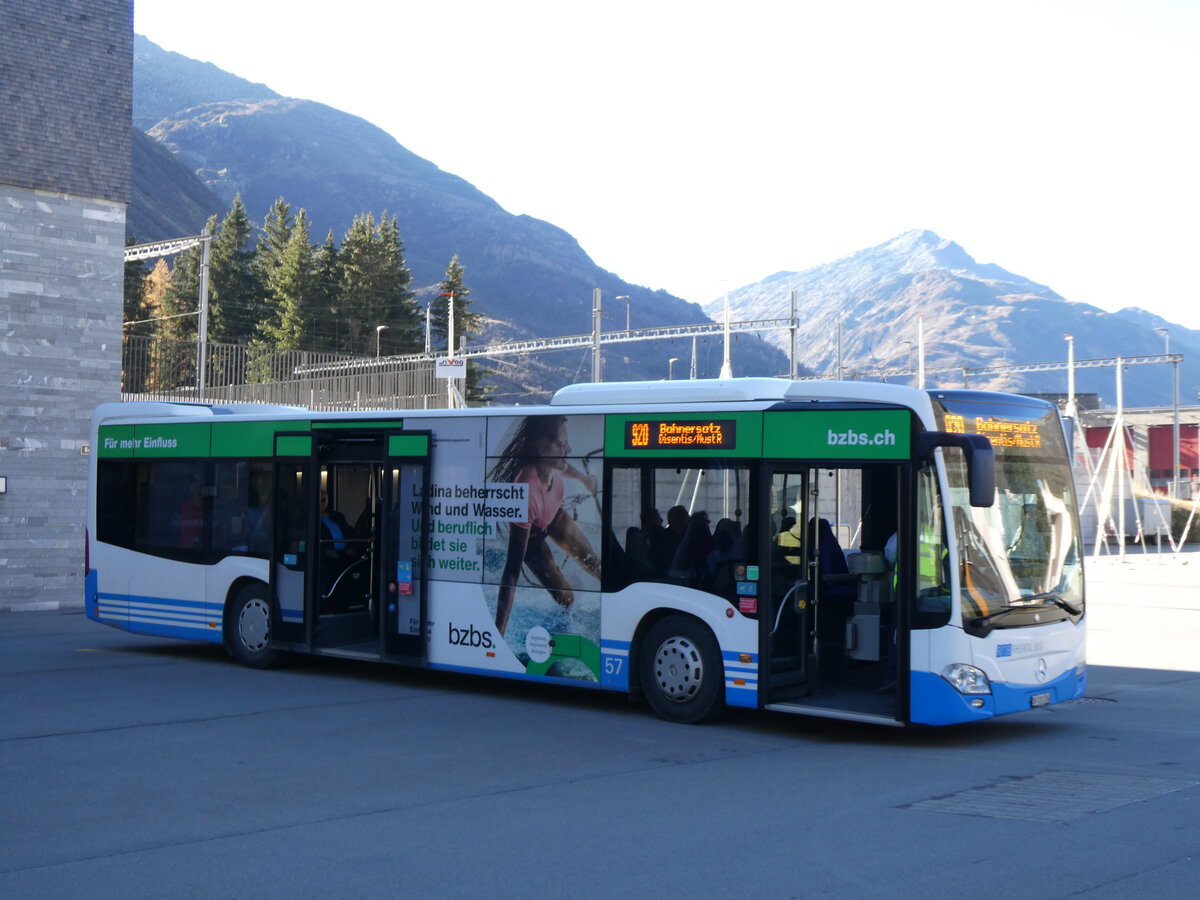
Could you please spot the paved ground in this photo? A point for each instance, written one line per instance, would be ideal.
(134, 767)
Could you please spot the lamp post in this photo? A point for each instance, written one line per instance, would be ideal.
(921, 352)
(726, 364)
(671, 368)
(625, 297)
(379, 330)
(1072, 412)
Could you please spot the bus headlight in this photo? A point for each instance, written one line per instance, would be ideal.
(1081, 666)
(967, 679)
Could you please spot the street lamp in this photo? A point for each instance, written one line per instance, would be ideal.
(625, 297)
(379, 330)
(671, 368)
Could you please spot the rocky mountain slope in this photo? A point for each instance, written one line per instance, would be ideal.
(975, 315)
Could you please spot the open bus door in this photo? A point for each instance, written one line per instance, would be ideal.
(348, 578)
(831, 634)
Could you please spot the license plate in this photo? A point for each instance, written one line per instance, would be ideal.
(1040, 700)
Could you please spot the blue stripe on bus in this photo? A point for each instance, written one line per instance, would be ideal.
(160, 616)
(513, 676)
(741, 695)
(739, 669)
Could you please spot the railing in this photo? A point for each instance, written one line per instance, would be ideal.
(161, 369)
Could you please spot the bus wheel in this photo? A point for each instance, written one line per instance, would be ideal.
(248, 628)
(681, 671)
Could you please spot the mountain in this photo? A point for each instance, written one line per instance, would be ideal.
(529, 278)
(974, 315)
(168, 200)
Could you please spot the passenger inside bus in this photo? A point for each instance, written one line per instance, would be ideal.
(691, 556)
(790, 539)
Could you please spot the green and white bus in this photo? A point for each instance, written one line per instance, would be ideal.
(860, 551)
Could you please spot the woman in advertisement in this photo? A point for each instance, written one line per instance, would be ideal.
(537, 455)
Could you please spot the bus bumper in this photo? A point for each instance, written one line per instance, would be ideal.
(935, 702)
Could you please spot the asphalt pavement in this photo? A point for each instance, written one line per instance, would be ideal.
(136, 767)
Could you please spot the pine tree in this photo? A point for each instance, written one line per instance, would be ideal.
(136, 273)
(466, 323)
(374, 291)
(235, 302)
(174, 359)
(273, 241)
(136, 312)
(291, 285)
(327, 278)
(181, 299)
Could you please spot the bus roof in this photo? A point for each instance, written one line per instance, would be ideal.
(739, 390)
(611, 395)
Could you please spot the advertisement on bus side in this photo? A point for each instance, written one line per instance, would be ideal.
(513, 547)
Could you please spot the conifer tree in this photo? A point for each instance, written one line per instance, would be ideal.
(273, 241)
(291, 286)
(136, 273)
(235, 303)
(174, 362)
(466, 323)
(181, 298)
(136, 313)
(374, 290)
(327, 278)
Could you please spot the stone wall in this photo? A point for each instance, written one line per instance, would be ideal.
(65, 108)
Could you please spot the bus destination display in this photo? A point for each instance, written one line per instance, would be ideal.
(707, 434)
(1001, 432)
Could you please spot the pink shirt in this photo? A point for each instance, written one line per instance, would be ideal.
(544, 502)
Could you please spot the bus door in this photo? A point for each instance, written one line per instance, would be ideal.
(830, 630)
(287, 516)
(365, 581)
(342, 586)
(405, 535)
(346, 580)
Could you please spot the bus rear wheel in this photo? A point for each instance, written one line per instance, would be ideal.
(681, 671)
(248, 628)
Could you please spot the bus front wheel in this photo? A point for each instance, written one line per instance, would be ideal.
(248, 628)
(681, 671)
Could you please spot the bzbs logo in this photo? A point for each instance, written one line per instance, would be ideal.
(470, 637)
(860, 439)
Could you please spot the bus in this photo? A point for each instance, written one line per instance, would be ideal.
(861, 551)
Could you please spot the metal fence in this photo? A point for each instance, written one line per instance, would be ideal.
(160, 369)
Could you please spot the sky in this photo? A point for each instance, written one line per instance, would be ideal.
(701, 146)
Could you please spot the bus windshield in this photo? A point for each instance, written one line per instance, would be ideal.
(1019, 560)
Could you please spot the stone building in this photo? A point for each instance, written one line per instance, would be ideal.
(66, 86)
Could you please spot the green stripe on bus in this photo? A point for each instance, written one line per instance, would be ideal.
(248, 439)
(408, 445)
(293, 445)
(838, 434)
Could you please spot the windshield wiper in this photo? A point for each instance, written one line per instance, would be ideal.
(1049, 597)
(1022, 604)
